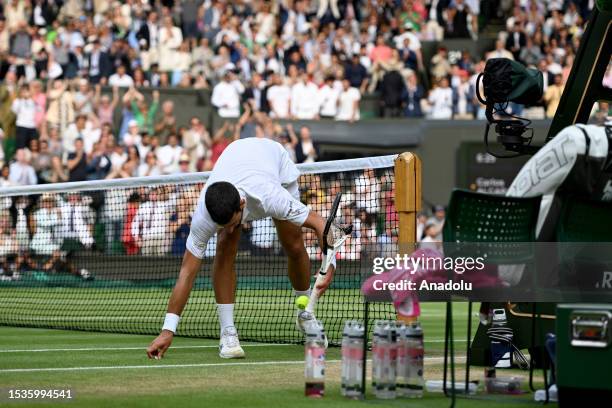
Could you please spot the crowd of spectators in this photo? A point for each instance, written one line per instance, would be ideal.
(261, 60)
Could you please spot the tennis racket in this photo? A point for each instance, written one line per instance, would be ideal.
(333, 239)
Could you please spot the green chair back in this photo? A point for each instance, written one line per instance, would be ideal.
(495, 222)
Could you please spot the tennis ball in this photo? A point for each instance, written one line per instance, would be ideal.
(301, 302)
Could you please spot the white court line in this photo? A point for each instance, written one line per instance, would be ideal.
(129, 367)
(46, 350)
(428, 360)
(135, 348)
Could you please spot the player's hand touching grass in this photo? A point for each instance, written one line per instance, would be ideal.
(158, 347)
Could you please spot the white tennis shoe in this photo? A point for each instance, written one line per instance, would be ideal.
(229, 345)
(303, 317)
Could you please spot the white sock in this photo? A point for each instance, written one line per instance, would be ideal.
(226, 315)
(299, 293)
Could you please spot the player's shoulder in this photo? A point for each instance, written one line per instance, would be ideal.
(201, 222)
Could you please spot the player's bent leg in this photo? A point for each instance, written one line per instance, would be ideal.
(224, 284)
(292, 241)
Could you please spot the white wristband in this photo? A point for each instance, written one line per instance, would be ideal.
(171, 322)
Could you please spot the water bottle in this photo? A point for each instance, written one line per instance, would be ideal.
(401, 375)
(385, 385)
(415, 351)
(314, 370)
(354, 356)
(346, 358)
(377, 352)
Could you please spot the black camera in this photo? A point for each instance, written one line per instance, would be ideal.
(505, 81)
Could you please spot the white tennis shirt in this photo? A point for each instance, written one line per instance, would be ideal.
(265, 177)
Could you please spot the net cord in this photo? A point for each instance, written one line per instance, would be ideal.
(333, 166)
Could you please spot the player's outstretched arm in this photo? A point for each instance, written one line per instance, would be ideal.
(317, 223)
(180, 294)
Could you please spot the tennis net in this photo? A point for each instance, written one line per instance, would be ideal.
(104, 255)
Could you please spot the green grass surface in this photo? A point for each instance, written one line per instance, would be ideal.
(106, 369)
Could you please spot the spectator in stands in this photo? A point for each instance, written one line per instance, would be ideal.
(83, 98)
(21, 171)
(440, 66)
(437, 220)
(279, 98)
(552, 96)
(226, 95)
(328, 99)
(517, 40)
(77, 162)
(367, 190)
(196, 142)
(530, 54)
(105, 106)
(25, 109)
(168, 155)
(167, 125)
(408, 56)
(99, 165)
(144, 115)
(85, 128)
(120, 78)
(441, 101)
(41, 160)
(130, 242)
(305, 99)
(462, 98)
(60, 112)
(500, 51)
(150, 226)
(348, 103)
(412, 97)
(381, 52)
(40, 100)
(456, 21)
(99, 64)
(305, 150)
(356, 73)
(45, 239)
(150, 167)
(180, 221)
(431, 238)
(132, 137)
(75, 232)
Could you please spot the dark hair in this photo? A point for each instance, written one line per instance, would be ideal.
(222, 201)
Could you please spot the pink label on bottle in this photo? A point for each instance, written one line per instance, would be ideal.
(356, 353)
(315, 362)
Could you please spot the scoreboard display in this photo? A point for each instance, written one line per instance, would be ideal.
(479, 171)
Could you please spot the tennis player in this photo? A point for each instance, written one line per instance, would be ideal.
(254, 178)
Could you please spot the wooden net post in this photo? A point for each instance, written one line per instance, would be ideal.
(407, 199)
